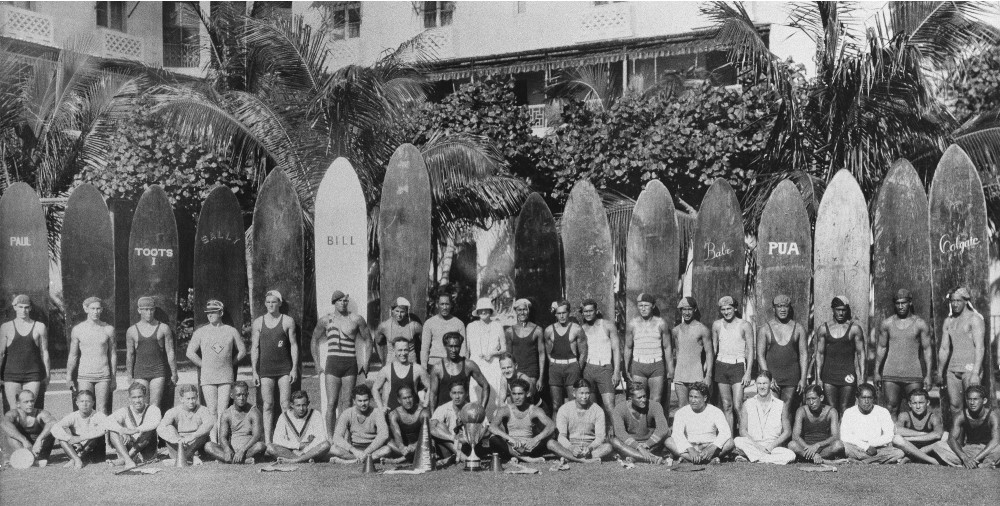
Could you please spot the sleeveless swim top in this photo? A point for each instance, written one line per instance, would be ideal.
(963, 353)
(783, 359)
(337, 344)
(23, 360)
(690, 362)
(732, 345)
(410, 431)
(561, 349)
(275, 349)
(598, 343)
(978, 435)
(838, 363)
(447, 380)
(408, 379)
(814, 431)
(524, 349)
(150, 358)
(646, 343)
(519, 426)
(902, 361)
(94, 362)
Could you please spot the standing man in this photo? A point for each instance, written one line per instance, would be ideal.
(963, 347)
(361, 432)
(26, 426)
(92, 357)
(582, 427)
(783, 349)
(974, 441)
(764, 426)
(241, 435)
(868, 431)
(81, 433)
(734, 355)
(454, 369)
(647, 345)
(399, 324)
(903, 339)
(347, 343)
(149, 352)
(603, 362)
(695, 353)
(24, 353)
(211, 349)
(527, 344)
(396, 374)
(132, 429)
(840, 356)
(641, 428)
(187, 424)
(566, 345)
(918, 429)
(300, 435)
(274, 356)
(700, 434)
(405, 424)
(432, 346)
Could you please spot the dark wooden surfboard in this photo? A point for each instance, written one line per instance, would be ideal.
(538, 267)
(88, 255)
(277, 257)
(960, 242)
(901, 257)
(651, 253)
(588, 250)
(220, 270)
(784, 254)
(153, 256)
(719, 249)
(404, 233)
(341, 239)
(842, 259)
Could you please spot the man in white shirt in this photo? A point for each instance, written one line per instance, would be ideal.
(132, 429)
(764, 426)
(300, 435)
(81, 433)
(867, 431)
(700, 434)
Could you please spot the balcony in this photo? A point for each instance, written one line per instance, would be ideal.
(537, 114)
(119, 46)
(26, 25)
(181, 55)
(600, 22)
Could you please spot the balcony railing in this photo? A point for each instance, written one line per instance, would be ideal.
(23, 24)
(119, 45)
(537, 113)
(181, 55)
(609, 21)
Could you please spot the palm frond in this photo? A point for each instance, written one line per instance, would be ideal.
(294, 54)
(944, 32)
(747, 49)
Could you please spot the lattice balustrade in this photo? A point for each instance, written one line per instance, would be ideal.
(606, 22)
(120, 45)
(181, 55)
(26, 25)
(537, 114)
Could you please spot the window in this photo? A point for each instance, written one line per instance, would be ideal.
(343, 20)
(438, 13)
(181, 38)
(111, 15)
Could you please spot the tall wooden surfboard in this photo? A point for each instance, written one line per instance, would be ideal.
(538, 267)
(220, 270)
(341, 239)
(277, 259)
(588, 250)
(652, 256)
(404, 233)
(960, 242)
(784, 254)
(842, 259)
(901, 257)
(719, 249)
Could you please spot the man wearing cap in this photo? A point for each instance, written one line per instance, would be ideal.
(26, 426)
(149, 352)
(695, 352)
(92, 358)
(274, 357)
(783, 350)
(963, 346)
(903, 339)
(132, 429)
(299, 435)
(24, 352)
(602, 367)
(399, 324)
(647, 346)
(396, 374)
(840, 356)
(211, 349)
(241, 434)
(733, 339)
(432, 349)
(348, 344)
(487, 343)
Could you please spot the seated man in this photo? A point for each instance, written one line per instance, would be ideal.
(919, 428)
(132, 429)
(641, 428)
(582, 427)
(511, 373)
(867, 431)
(514, 428)
(700, 434)
(361, 430)
(974, 441)
(241, 430)
(816, 432)
(81, 433)
(405, 424)
(186, 425)
(446, 427)
(300, 435)
(26, 426)
(764, 426)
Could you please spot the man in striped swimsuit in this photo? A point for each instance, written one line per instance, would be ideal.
(647, 342)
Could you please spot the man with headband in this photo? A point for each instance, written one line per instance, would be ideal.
(840, 356)
(211, 349)
(733, 340)
(648, 350)
(695, 353)
(527, 344)
(347, 343)
(963, 347)
(274, 357)
(782, 349)
(903, 339)
(399, 324)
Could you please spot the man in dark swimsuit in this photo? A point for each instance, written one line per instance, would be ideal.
(918, 429)
(26, 426)
(344, 342)
(566, 345)
(903, 339)
(527, 344)
(405, 424)
(783, 350)
(24, 353)
(274, 359)
(816, 431)
(974, 441)
(454, 369)
(388, 380)
(840, 356)
(399, 324)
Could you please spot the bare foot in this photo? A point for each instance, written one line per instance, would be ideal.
(817, 459)
(530, 460)
(78, 464)
(339, 460)
(395, 461)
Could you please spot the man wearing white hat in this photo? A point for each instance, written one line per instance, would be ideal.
(487, 343)
(399, 324)
(211, 349)
(962, 349)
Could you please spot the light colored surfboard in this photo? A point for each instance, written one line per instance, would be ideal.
(652, 255)
(719, 250)
(784, 254)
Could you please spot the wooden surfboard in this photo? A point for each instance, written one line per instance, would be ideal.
(277, 260)
(220, 270)
(960, 243)
(719, 250)
(842, 259)
(341, 240)
(589, 252)
(404, 233)
(784, 254)
(652, 262)
(901, 257)
(538, 268)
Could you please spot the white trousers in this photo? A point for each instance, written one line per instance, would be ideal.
(755, 453)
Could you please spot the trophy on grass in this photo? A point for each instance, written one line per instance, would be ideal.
(472, 416)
